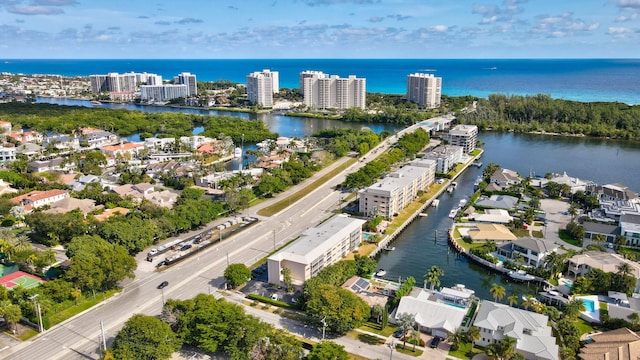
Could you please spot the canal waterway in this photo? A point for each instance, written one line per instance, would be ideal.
(424, 242)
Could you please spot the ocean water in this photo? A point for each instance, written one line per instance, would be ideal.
(571, 79)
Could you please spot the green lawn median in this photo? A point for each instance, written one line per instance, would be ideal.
(286, 202)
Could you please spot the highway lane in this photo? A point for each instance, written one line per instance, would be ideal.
(78, 338)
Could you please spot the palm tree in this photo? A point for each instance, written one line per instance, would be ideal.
(473, 334)
(507, 347)
(624, 269)
(415, 337)
(433, 276)
(517, 258)
(573, 211)
(455, 338)
(598, 239)
(573, 308)
(497, 292)
(406, 322)
(513, 300)
(529, 300)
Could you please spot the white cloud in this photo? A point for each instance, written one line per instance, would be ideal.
(628, 4)
(34, 10)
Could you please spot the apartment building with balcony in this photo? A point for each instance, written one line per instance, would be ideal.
(317, 248)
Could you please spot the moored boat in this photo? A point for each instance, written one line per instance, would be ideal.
(380, 273)
(520, 275)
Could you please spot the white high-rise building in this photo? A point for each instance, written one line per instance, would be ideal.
(188, 79)
(465, 136)
(310, 74)
(122, 86)
(333, 92)
(424, 89)
(148, 79)
(261, 86)
(163, 92)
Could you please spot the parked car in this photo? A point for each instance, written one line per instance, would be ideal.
(434, 342)
(163, 285)
(186, 247)
(400, 333)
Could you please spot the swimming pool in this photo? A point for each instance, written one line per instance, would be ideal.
(589, 305)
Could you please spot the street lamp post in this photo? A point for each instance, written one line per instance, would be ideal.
(324, 325)
(392, 345)
(36, 308)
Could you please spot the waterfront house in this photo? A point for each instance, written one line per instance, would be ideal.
(506, 202)
(630, 228)
(574, 184)
(316, 248)
(61, 142)
(147, 191)
(618, 344)
(534, 339)
(495, 216)
(7, 152)
(483, 232)
(582, 263)
(365, 291)
(431, 315)
(532, 250)
(615, 191)
(505, 178)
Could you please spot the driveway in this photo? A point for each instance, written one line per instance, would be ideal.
(556, 219)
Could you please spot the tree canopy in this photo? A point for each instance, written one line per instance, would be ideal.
(145, 337)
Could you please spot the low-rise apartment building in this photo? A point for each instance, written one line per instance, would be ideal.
(445, 156)
(390, 195)
(317, 248)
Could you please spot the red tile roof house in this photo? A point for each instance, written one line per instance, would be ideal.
(115, 150)
(37, 198)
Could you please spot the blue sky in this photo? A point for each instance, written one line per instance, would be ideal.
(213, 29)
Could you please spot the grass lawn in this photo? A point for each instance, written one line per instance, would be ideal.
(60, 316)
(284, 203)
(465, 351)
(583, 326)
(408, 350)
(27, 334)
(537, 234)
(521, 233)
(377, 328)
(566, 238)
(364, 249)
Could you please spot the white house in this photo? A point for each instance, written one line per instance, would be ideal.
(533, 250)
(37, 198)
(435, 317)
(533, 336)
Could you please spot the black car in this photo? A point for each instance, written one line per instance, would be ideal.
(186, 247)
(163, 285)
(399, 333)
(435, 342)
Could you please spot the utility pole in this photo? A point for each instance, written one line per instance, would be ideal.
(227, 258)
(392, 345)
(36, 307)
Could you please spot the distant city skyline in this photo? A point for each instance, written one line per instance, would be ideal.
(201, 29)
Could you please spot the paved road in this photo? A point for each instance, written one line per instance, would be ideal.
(78, 338)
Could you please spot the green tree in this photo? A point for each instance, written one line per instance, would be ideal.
(11, 313)
(343, 309)
(237, 274)
(456, 338)
(473, 334)
(328, 350)
(145, 337)
(497, 292)
(573, 308)
(406, 322)
(286, 279)
(376, 311)
(98, 264)
(513, 300)
(528, 301)
(433, 276)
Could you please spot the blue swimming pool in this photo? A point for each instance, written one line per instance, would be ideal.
(589, 305)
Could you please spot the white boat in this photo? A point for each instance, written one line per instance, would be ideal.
(521, 275)
(450, 189)
(423, 214)
(454, 184)
(435, 203)
(453, 213)
(96, 102)
(237, 153)
(389, 248)
(462, 202)
(380, 273)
